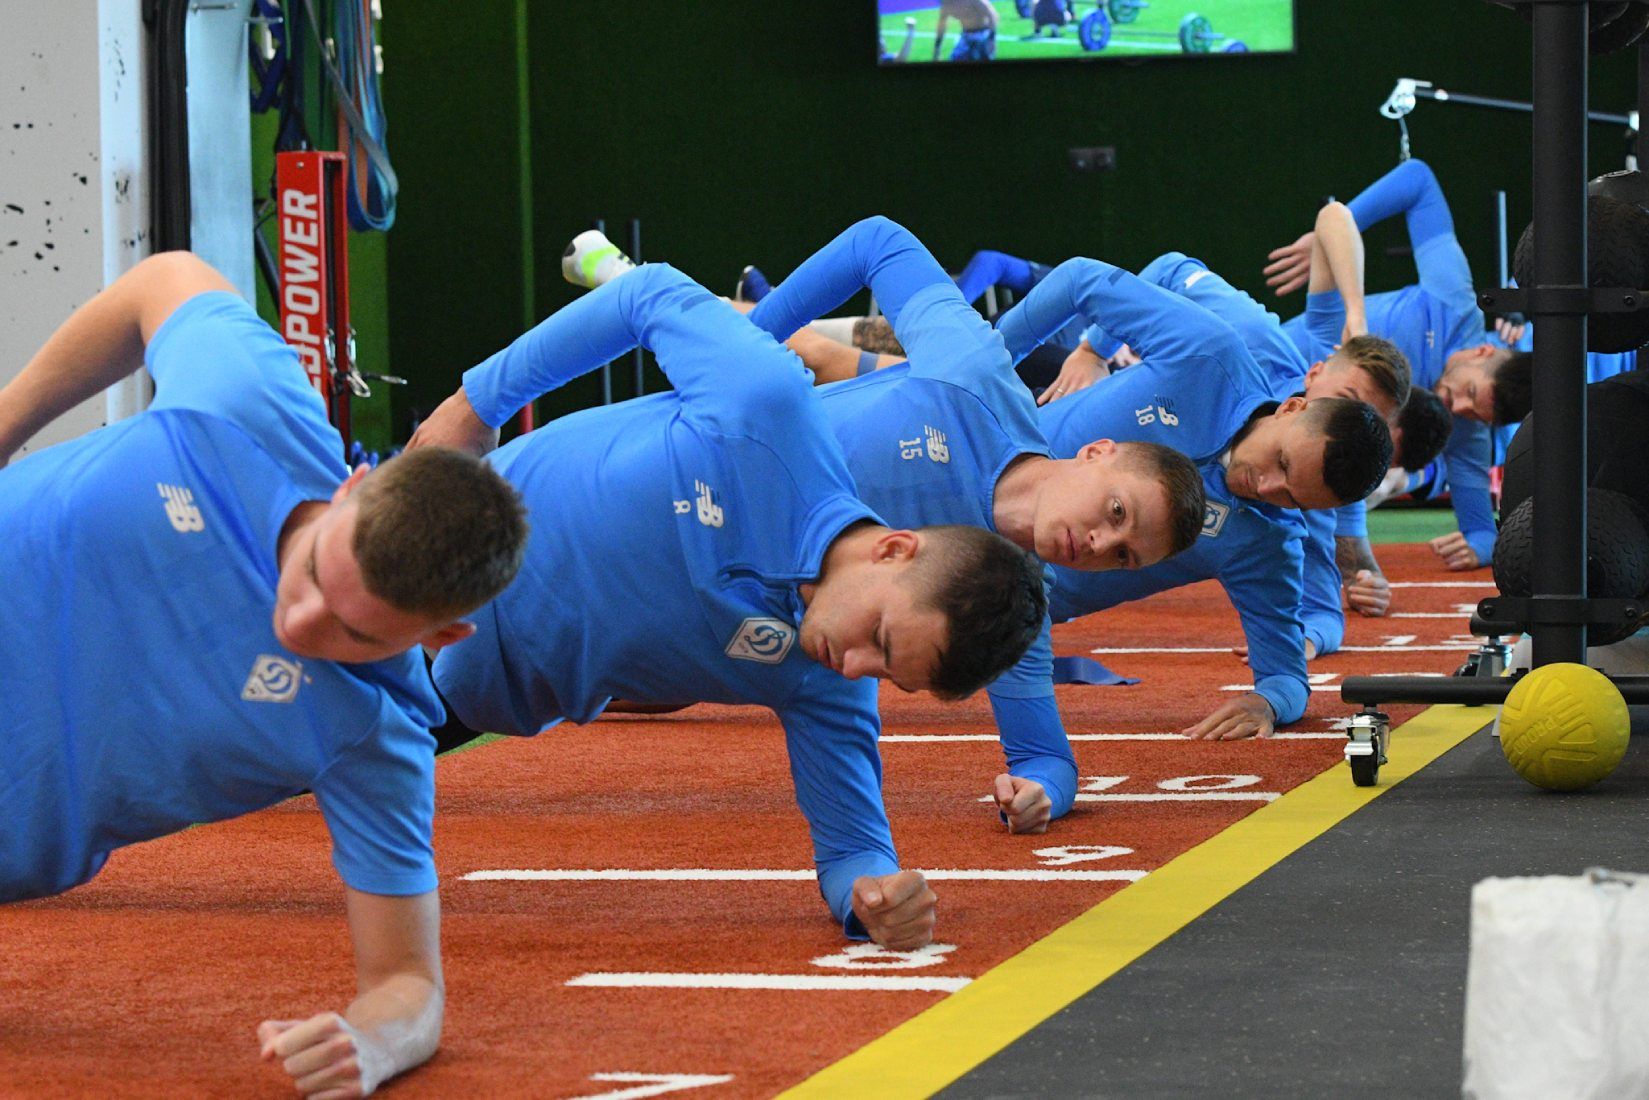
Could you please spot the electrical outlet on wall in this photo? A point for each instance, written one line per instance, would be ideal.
(1093, 158)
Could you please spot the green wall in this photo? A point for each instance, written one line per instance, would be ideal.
(751, 133)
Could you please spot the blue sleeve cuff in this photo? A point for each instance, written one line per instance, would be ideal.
(1058, 779)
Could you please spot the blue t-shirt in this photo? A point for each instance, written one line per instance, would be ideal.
(670, 536)
(1194, 389)
(927, 441)
(145, 690)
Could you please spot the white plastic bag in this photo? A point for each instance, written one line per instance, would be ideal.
(1557, 989)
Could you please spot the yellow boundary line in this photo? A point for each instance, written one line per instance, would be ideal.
(929, 1051)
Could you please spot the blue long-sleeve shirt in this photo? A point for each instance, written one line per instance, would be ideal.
(1428, 322)
(927, 441)
(670, 535)
(1321, 614)
(1254, 550)
(1194, 389)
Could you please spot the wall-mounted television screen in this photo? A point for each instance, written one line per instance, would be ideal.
(946, 31)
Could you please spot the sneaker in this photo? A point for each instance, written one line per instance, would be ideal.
(591, 260)
(752, 286)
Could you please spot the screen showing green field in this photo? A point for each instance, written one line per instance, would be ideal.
(970, 31)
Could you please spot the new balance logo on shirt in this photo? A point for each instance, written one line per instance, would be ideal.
(709, 512)
(763, 640)
(932, 443)
(273, 680)
(180, 508)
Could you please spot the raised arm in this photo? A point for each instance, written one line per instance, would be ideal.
(101, 343)
(1337, 264)
(940, 332)
(394, 1022)
(1411, 189)
(1156, 323)
(704, 347)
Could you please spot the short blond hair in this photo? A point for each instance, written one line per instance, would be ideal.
(1383, 362)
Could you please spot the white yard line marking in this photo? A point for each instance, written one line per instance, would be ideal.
(727, 874)
(652, 1084)
(948, 738)
(1442, 584)
(1399, 648)
(1207, 796)
(785, 982)
(1430, 615)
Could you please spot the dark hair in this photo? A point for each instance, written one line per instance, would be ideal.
(1383, 362)
(991, 593)
(1425, 423)
(438, 532)
(1513, 382)
(1358, 448)
(1178, 476)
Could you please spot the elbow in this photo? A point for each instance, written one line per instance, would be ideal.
(1333, 216)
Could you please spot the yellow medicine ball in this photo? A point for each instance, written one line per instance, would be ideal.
(1564, 727)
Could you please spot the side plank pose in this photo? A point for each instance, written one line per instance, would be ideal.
(1199, 390)
(951, 436)
(707, 544)
(207, 616)
(1437, 324)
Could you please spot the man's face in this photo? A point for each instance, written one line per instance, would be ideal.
(865, 618)
(1338, 377)
(1466, 387)
(323, 609)
(1097, 512)
(1280, 461)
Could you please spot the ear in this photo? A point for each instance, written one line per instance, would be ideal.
(1097, 449)
(1293, 405)
(349, 483)
(896, 546)
(447, 635)
(1314, 373)
(1484, 351)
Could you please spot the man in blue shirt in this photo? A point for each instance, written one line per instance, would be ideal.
(1439, 327)
(1199, 390)
(205, 616)
(707, 544)
(951, 436)
(1356, 365)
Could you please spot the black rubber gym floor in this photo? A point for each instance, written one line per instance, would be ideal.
(1341, 972)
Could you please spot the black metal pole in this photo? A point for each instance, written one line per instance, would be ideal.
(1560, 93)
(1640, 143)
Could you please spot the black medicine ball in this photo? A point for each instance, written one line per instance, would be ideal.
(1617, 248)
(1617, 555)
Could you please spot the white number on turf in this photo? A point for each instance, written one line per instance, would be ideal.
(1068, 854)
(653, 1084)
(1101, 782)
(873, 956)
(1208, 782)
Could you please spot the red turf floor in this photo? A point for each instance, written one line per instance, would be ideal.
(150, 980)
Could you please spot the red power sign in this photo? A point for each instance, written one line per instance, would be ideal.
(314, 303)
